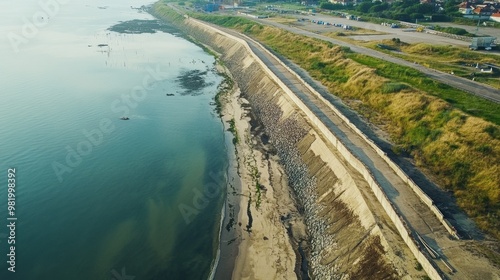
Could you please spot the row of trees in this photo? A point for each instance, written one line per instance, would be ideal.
(406, 10)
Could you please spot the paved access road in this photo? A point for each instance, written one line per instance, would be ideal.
(466, 85)
(481, 31)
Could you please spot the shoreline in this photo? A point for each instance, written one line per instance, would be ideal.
(357, 195)
(229, 242)
(256, 240)
(215, 263)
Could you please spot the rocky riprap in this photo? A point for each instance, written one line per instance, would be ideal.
(284, 134)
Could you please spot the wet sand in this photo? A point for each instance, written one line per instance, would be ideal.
(255, 241)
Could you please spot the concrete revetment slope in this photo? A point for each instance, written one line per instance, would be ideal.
(351, 237)
(356, 230)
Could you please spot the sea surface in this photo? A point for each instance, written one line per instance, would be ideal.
(98, 197)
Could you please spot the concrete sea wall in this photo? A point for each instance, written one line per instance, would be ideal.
(350, 236)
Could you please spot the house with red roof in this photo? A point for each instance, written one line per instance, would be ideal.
(495, 17)
(483, 10)
(466, 8)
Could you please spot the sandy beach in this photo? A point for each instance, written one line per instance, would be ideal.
(262, 227)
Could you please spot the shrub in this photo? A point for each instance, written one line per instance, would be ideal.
(393, 87)
(453, 30)
(438, 18)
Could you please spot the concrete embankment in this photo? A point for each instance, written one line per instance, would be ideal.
(352, 196)
(350, 236)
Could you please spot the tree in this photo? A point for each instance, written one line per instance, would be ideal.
(416, 16)
(451, 6)
(402, 17)
(331, 6)
(364, 7)
(425, 8)
(379, 8)
(411, 9)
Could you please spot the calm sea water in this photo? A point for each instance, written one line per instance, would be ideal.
(98, 197)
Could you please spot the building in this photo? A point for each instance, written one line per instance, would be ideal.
(478, 11)
(483, 10)
(212, 7)
(466, 8)
(343, 2)
(495, 17)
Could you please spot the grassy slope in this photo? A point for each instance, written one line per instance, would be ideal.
(443, 58)
(424, 118)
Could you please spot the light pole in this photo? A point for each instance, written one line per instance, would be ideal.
(478, 21)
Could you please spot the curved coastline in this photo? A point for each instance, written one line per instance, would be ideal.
(269, 245)
(227, 240)
(215, 263)
(223, 264)
(309, 151)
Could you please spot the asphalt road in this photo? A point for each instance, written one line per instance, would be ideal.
(401, 33)
(481, 31)
(481, 90)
